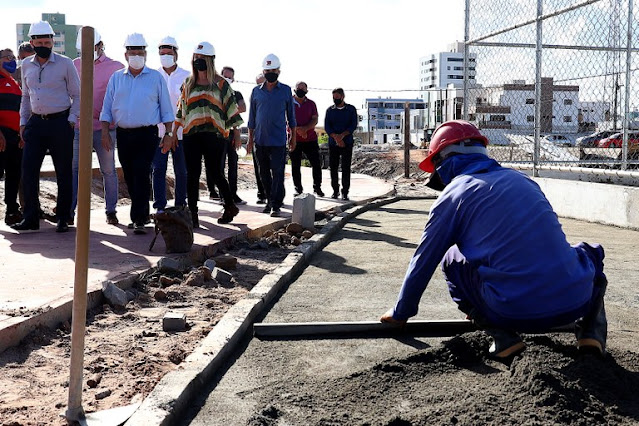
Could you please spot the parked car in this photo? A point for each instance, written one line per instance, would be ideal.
(558, 140)
(396, 141)
(615, 140)
(592, 140)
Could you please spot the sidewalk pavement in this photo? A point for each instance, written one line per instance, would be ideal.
(37, 268)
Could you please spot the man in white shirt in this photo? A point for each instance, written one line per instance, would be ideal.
(174, 77)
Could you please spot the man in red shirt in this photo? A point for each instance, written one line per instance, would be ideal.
(306, 116)
(10, 145)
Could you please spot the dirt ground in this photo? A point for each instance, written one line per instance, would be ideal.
(454, 383)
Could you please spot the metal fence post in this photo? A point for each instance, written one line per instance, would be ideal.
(538, 60)
(466, 37)
(407, 139)
(626, 112)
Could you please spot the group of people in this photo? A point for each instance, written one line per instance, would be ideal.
(192, 114)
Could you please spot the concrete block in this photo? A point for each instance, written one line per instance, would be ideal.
(210, 263)
(304, 210)
(225, 261)
(222, 276)
(114, 294)
(167, 265)
(174, 321)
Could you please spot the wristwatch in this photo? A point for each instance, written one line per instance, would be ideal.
(169, 134)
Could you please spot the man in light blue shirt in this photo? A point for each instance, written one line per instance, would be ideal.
(272, 108)
(48, 112)
(136, 101)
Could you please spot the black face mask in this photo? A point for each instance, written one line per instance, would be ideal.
(300, 93)
(435, 182)
(271, 77)
(42, 51)
(337, 102)
(199, 64)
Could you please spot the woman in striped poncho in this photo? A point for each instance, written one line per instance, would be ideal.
(207, 110)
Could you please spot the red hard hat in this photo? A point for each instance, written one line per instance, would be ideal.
(449, 133)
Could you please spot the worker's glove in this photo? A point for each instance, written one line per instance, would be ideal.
(388, 317)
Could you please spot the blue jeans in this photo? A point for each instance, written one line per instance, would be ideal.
(107, 169)
(272, 160)
(160, 162)
(464, 285)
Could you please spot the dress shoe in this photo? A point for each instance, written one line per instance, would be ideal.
(335, 195)
(319, 192)
(62, 226)
(112, 219)
(26, 226)
(139, 229)
(345, 197)
(230, 211)
(13, 218)
(298, 191)
(267, 209)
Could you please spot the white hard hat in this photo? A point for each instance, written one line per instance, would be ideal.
(271, 62)
(78, 40)
(41, 28)
(205, 48)
(135, 39)
(168, 41)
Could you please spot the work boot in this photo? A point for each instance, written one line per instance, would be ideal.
(505, 343)
(230, 211)
(591, 330)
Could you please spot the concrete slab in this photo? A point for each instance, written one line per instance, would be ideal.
(37, 269)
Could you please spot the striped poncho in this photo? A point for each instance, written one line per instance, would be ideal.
(208, 109)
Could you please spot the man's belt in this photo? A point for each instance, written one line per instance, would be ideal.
(64, 113)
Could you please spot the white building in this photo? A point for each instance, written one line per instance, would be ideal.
(512, 106)
(438, 70)
(441, 78)
(382, 118)
(592, 114)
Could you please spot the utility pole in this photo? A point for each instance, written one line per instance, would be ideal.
(407, 139)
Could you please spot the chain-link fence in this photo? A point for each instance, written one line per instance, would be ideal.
(556, 82)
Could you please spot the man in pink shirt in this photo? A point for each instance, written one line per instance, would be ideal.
(104, 67)
(306, 116)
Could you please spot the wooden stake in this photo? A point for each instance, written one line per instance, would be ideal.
(75, 412)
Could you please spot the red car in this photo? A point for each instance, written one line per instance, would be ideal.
(615, 141)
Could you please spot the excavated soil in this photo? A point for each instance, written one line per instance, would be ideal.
(126, 350)
(456, 384)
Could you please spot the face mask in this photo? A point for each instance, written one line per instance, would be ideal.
(136, 62)
(167, 61)
(228, 80)
(42, 51)
(271, 77)
(337, 102)
(199, 64)
(10, 66)
(300, 93)
(96, 55)
(19, 62)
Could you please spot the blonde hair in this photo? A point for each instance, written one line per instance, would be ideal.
(211, 75)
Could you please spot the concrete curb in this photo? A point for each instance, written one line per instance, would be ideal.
(172, 395)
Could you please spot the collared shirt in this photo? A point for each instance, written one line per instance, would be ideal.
(49, 88)
(137, 101)
(507, 230)
(338, 120)
(174, 82)
(304, 112)
(269, 113)
(103, 69)
(10, 95)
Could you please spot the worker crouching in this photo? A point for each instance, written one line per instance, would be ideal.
(502, 251)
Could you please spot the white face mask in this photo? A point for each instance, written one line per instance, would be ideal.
(136, 62)
(18, 62)
(96, 55)
(167, 61)
(228, 80)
